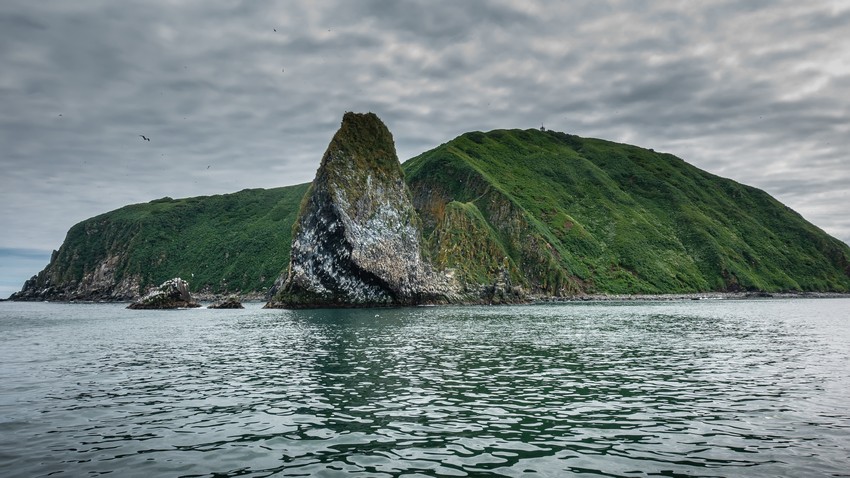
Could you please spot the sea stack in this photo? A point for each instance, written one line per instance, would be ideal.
(356, 242)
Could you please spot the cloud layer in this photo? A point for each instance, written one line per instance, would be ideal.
(247, 94)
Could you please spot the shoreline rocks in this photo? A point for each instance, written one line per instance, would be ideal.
(228, 303)
(502, 291)
(695, 296)
(171, 294)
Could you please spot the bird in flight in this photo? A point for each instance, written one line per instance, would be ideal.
(145, 137)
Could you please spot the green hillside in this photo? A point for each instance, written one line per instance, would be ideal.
(566, 215)
(585, 215)
(223, 243)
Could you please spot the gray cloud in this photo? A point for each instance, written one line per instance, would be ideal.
(755, 91)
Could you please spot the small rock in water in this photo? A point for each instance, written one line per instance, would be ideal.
(172, 294)
(229, 303)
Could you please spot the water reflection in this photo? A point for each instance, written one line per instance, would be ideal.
(611, 389)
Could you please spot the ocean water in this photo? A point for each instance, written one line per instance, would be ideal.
(688, 388)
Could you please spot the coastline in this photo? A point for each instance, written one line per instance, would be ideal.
(538, 299)
(691, 296)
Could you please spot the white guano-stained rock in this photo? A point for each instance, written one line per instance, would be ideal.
(357, 240)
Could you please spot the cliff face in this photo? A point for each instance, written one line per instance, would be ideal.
(75, 272)
(226, 244)
(357, 239)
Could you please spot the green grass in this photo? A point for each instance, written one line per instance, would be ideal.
(571, 215)
(222, 243)
(589, 215)
(467, 244)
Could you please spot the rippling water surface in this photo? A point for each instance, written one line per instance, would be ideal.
(693, 388)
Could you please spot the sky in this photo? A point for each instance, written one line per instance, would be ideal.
(235, 95)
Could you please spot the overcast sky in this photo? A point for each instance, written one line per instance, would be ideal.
(238, 95)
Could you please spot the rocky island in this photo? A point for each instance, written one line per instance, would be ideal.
(487, 217)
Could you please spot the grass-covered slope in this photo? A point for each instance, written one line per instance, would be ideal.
(566, 215)
(225, 243)
(585, 215)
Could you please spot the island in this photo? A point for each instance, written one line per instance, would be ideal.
(504, 216)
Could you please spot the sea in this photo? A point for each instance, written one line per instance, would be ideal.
(715, 388)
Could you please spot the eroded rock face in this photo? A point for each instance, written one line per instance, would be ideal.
(502, 291)
(97, 284)
(357, 239)
(172, 294)
(228, 303)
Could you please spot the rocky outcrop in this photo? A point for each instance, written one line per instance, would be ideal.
(98, 283)
(172, 294)
(228, 303)
(356, 242)
(502, 290)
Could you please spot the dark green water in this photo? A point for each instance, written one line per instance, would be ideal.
(693, 388)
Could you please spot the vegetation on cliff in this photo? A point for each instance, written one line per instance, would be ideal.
(224, 244)
(558, 213)
(586, 215)
(357, 239)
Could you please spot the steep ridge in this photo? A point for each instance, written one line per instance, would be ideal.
(585, 215)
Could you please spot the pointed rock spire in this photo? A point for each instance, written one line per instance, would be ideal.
(357, 239)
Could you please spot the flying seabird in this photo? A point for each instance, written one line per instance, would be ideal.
(144, 137)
